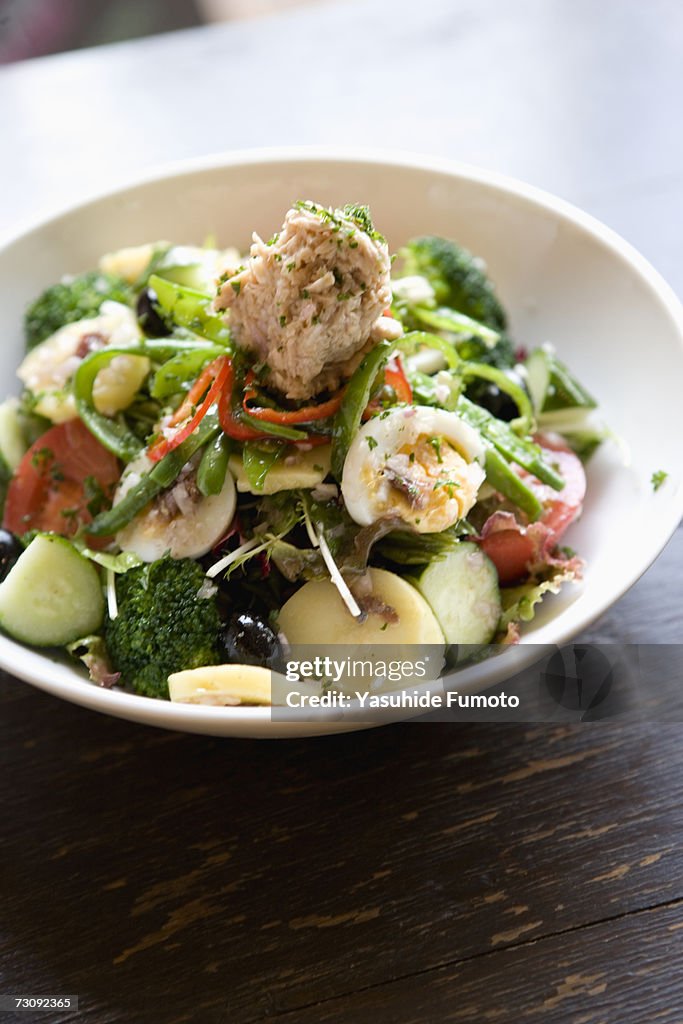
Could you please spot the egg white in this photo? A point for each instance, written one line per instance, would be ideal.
(422, 465)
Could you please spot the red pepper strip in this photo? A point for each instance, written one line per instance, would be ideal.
(219, 372)
(309, 414)
(230, 425)
(395, 378)
(199, 387)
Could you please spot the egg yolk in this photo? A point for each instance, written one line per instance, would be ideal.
(427, 483)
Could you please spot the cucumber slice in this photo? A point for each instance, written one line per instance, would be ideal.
(538, 377)
(552, 386)
(52, 595)
(12, 442)
(462, 589)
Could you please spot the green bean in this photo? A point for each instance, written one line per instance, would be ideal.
(158, 479)
(516, 449)
(356, 397)
(504, 479)
(214, 465)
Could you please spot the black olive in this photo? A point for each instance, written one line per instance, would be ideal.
(248, 640)
(495, 400)
(149, 317)
(10, 549)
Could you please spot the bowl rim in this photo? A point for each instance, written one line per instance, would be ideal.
(150, 711)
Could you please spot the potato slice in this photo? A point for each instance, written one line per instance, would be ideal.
(316, 614)
(130, 262)
(221, 684)
(303, 470)
(117, 383)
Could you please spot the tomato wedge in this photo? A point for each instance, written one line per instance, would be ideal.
(55, 481)
(511, 550)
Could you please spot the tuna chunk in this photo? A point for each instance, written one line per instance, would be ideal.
(309, 303)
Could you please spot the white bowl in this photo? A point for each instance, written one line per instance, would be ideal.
(563, 276)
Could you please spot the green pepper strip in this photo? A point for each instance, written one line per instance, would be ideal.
(214, 466)
(504, 479)
(258, 462)
(274, 429)
(517, 449)
(158, 479)
(183, 367)
(356, 397)
(415, 340)
(569, 392)
(189, 308)
(444, 319)
(518, 395)
(113, 433)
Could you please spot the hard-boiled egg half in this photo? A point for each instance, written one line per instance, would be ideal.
(180, 521)
(423, 465)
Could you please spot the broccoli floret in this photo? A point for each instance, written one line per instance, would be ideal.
(75, 299)
(162, 625)
(456, 277)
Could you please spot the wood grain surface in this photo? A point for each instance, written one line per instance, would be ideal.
(422, 872)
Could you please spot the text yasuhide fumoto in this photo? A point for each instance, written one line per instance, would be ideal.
(403, 699)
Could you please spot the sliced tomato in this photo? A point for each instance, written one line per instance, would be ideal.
(49, 491)
(512, 550)
(560, 507)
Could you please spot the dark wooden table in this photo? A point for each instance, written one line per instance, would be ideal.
(416, 873)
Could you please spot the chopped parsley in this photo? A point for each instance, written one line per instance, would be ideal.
(449, 485)
(357, 214)
(435, 442)
(372, 443)
(658, 478)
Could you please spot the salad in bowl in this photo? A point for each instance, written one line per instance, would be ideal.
(216, 455)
